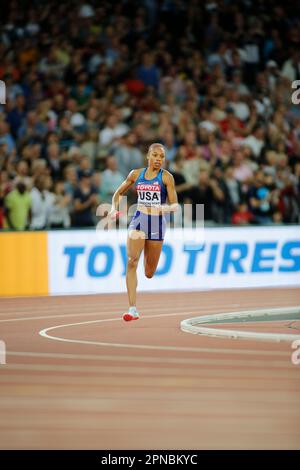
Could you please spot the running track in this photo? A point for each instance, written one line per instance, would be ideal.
(145, 384)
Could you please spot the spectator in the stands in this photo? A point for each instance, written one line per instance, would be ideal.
(59, 216)
(85, 202)
(41, 202)
(17, 205)
(111, 179)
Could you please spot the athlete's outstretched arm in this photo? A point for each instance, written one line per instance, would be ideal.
(122, 190)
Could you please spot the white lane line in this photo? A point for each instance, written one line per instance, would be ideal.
(84, 308)
(171, 360)
(101, 313)
(190, 325)
(108, 312)
(44, 333)
(125, 370)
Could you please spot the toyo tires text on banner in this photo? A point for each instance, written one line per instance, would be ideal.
(82, 262)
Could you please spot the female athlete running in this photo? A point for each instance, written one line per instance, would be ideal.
(147, 228)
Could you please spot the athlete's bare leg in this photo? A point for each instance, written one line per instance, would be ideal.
(152, 253)
(135, 246)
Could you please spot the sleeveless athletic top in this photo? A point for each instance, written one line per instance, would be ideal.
(152, 192)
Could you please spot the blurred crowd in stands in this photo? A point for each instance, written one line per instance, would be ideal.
(89, 86)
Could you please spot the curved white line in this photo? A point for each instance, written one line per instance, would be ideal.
(206, 318)
(189, 325)
(45, 334)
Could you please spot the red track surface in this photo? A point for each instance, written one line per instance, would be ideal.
(200, 393)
